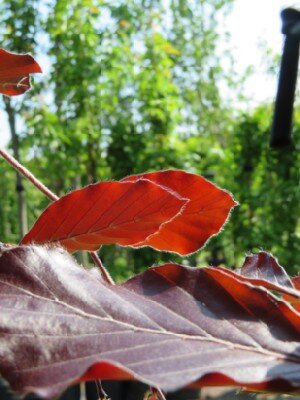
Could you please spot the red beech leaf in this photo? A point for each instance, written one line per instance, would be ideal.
(296, 281)
(263, 269)
(291, 297)
(294, 301)
(106, 212)
(170, 327)
(202, 217)
(14, 72)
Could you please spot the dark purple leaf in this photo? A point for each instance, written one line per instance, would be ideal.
(263, 269)
(265, 266)
(169, 327)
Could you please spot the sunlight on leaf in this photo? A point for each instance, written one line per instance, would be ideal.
(14, 72)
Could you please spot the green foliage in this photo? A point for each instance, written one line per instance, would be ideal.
(266, 182)
(8, 205)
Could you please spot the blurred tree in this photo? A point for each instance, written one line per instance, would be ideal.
(68, 128)
(8, 209)
(266, 183)
(17, 34)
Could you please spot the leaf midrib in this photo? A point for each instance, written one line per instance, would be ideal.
(228, 344)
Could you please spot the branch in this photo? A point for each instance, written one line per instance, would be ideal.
(105, 274)
(101, 393)
(28, 175)
(158, 393)
(82, 391)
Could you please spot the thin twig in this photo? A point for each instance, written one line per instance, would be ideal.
(28, 175)
(82, 390)
(47, 192)
(158, 393)
(105, 274)
(101, 393)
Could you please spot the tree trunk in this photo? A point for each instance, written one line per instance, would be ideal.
(22, 209)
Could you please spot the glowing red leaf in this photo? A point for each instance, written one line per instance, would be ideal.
(106, 212)
(14, 72)
(203, 216)
(169, 327)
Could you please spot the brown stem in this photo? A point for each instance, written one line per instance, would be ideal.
(28, 175)
(101, 393)
(47, 192)
(82, 391)
(105, 274)
(158, 393)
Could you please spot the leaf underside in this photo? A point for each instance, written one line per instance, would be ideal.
(170, 327)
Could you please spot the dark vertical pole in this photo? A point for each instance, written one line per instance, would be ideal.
(283, 110)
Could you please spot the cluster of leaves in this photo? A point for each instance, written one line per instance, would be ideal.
(171, 326)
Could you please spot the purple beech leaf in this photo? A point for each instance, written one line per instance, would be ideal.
(170, 327)
(265, 266)
(263, 269)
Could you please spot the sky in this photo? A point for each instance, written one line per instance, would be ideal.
(254, 26)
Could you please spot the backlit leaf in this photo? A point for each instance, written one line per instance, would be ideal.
(106, 212)
(202, 217)
(169, 327)
(14, 72)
